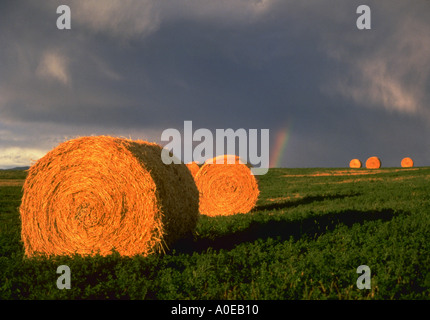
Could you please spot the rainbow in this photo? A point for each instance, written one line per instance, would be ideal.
(281, 141)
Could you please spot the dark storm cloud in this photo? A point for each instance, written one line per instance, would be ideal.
(187, 69)
(138, 67)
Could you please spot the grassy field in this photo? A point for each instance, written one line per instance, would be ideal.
(310, 231)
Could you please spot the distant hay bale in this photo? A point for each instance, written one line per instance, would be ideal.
(193, 167)
(226, 189)
(91, 195)
(407, 162)
(355, 163)
(373, 163)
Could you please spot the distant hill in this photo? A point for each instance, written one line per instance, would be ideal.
(17, 168)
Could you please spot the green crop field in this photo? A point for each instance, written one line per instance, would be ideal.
(310, 231)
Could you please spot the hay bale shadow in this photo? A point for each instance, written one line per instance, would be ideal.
(301, 201)
(312, 227)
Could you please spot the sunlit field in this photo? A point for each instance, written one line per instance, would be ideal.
(305, 239)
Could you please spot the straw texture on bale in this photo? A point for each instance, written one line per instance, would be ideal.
(355, 163)
(91, 195)
(226, 189)
(373, 163)
(193, 167)
(407, 162)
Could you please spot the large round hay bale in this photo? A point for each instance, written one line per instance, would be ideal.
(373, 163)
(355, 163)
(407, 163)
(226, 189)
(91, 195)
(193, 167)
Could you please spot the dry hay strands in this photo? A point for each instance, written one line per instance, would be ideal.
(226, 188)
(355, 163)
(407, 163)
(373, 163)
(93, 195)
(193, 167)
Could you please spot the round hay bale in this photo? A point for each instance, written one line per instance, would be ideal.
(355, 163)
(407, 163)
(91, 195)
(193, 167)
(226, 189)
(373, 163)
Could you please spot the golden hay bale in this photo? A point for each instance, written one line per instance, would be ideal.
(93, 194)
(193, 167)
(407, 162)
(355, 163)
(226, 189)
(373, 163)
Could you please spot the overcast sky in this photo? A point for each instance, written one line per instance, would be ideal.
(134, 68)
